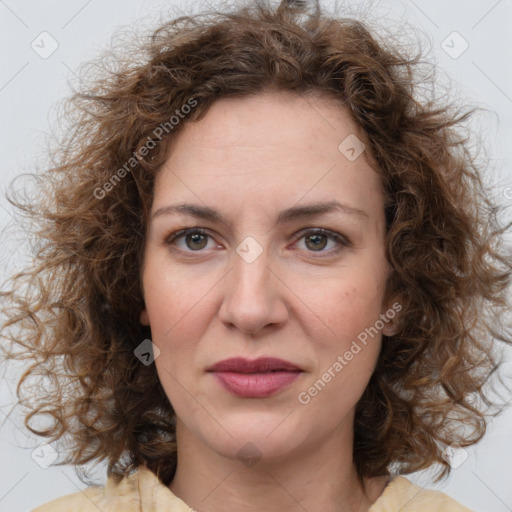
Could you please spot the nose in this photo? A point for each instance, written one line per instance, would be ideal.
(254, 297)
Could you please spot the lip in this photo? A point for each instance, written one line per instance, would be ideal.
(257, 378)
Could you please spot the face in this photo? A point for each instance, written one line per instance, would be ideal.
(266, 277)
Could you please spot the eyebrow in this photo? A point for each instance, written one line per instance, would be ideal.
(288, 215)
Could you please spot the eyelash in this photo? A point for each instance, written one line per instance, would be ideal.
(339, 239)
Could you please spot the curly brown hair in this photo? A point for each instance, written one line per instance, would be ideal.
(74, 313)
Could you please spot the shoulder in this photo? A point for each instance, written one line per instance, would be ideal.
(83, 501)
(401, 494)
(139, 492)
(110, 497)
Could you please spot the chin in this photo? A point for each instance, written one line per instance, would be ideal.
(251, 437)
(252, 450)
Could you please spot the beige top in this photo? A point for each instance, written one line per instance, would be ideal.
(142, 491)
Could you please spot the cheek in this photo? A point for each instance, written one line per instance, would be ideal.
(179, 305)
(174, 300)
(346, 307)
(347, 356)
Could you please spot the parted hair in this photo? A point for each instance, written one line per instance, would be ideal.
(73, 313)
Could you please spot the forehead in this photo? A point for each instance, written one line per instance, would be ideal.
(266, 149)
(279, 119)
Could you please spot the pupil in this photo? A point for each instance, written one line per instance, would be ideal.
(317, 238)
(196, 238)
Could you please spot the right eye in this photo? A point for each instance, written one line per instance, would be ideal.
(195, 239)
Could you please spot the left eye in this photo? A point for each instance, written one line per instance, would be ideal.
(317, 240)
(196, 239)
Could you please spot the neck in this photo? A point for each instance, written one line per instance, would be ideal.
(313, 479)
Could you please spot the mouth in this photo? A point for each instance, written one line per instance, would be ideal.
(255, 379)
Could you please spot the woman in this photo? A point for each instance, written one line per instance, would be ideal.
(269, 275)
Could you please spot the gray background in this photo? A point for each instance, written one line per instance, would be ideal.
(31, 85)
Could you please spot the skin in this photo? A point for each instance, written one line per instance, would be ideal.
(249, 159)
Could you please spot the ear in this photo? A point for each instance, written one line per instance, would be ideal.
(390, 328)
(144, 317)
(391, 317)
